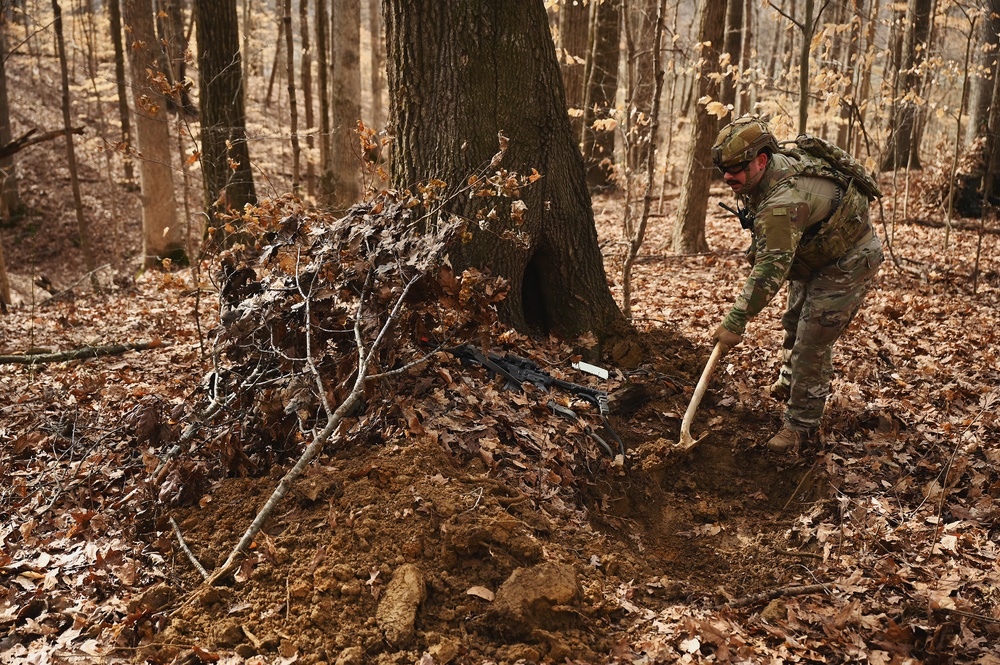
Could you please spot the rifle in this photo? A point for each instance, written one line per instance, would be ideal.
(746, 219)
(517, 370)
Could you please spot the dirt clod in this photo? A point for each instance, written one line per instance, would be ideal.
(397, 611)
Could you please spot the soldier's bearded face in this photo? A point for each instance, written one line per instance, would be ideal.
(745, 180)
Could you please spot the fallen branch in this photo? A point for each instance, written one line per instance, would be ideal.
(27, 139)
(187, 550)
(960, 226)
(78, 354)
(335, 417)
(784, 592)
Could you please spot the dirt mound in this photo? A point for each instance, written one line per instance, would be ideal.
(506, 572)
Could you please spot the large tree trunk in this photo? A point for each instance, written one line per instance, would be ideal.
(161, 234)
(689, 226)
(904, 139)
(491, 67)
(601, 88)
(345, 184)
(225, 156)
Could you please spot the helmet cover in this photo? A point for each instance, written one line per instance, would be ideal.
(742, 140)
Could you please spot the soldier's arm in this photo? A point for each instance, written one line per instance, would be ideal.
(777, 234)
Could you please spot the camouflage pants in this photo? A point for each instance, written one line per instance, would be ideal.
(819, 310)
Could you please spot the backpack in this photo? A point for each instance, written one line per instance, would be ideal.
(841, 166)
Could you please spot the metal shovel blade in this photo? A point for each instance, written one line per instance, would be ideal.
(687, 442)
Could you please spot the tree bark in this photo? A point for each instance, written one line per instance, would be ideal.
(602, 86)
(345, 181)
(307, 98)
(689, 227)
(293, 111)
(322, 62)
(904, 137)
(161, 234)
(378, 63)
(733, 47)
(225, 156)
(491, 67)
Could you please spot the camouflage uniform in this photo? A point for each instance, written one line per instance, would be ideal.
(825, 292)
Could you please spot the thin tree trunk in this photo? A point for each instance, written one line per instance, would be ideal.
(688, 235)
(83, 226)
(307, 97)
(292, 109)
(345, 184)
(808, 27)
(573, 32)
(322, 54)
(276, 65)
(733, 47)
(602, 85)
(378, 64)
(10, 198)
(743, 105)
(114, 14)
(635, 242)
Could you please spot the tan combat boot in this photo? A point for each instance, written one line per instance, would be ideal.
(789, 440)
(779, 390)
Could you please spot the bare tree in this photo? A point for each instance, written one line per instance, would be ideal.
(115, 18)
(161, 234)
(83, 225)
(225, 155)
(601, 87)
(345, 173)
(292, 108)
(689, 227)
(904, 135)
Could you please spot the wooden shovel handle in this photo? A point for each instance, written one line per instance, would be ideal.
(699, 391)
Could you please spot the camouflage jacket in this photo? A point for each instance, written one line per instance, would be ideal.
(783, 206)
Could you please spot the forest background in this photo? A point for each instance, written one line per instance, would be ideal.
(129, 164)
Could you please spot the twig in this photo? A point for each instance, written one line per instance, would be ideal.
(806, 476)
(319, 441)
(806, 555)
(783, 592)
(187, 550)
(968, 615)
(77, 354)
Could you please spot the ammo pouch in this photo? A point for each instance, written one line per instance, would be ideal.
(836, 235)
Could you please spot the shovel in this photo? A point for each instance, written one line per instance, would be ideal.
(687, 441)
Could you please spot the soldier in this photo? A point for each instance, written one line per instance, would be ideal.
(810, 227)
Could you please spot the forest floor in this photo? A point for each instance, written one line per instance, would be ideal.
(464, 534)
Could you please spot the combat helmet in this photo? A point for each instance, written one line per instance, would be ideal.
(742, 140)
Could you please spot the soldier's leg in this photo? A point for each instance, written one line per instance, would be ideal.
(832, 298)
(790, 323)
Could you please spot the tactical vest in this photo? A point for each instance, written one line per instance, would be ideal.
(826, 241)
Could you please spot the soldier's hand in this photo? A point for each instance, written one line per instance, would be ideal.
(727, 338)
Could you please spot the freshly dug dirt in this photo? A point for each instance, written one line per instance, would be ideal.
(387, 553)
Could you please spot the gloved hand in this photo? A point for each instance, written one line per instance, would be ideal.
(727, 338)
